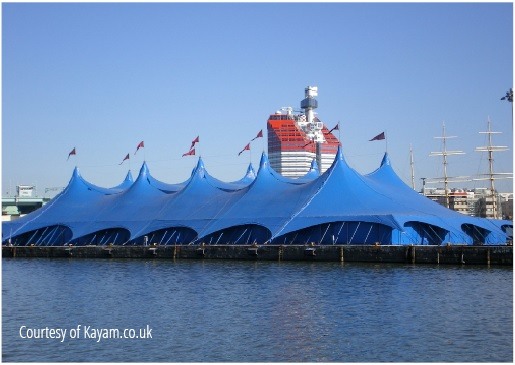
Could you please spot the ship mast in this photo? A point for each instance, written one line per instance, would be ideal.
(491, 175)
(412, 166)
(445, 153)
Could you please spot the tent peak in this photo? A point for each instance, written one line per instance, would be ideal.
(200, 163)
(339, 153)
(144, 168)
(250, 171)
(199, 169)
(339, 156)
(143, 172)
(385, 160)
(76, 172)
(129, 177)
(264, 160)
(75, 176)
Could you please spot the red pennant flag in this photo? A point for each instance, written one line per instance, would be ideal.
(191, 153)
(260, 134)
(126, 158)
(379, 137)
(194, 141)
(141, 144)
(72, 152)
(246, 148)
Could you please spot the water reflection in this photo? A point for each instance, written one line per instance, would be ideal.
(226, 311)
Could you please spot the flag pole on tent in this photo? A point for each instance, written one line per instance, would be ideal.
(259, 135)
(386, 140)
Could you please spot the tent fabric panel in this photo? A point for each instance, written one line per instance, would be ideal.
(239, 235)
(103, 237)
(55, 235)
(343, 232)
(377, 207)
(166, 236)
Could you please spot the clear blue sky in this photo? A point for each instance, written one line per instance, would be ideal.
(103, 77)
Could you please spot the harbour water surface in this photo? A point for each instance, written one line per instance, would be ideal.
(243, 311)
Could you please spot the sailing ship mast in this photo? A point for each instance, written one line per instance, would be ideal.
(492, 175)
(446, 153)
(412, 166)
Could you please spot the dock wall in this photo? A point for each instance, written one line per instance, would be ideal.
(447, 255)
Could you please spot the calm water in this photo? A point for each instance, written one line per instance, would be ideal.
(224, 311)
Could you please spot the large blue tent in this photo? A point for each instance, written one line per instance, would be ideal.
(340, 206)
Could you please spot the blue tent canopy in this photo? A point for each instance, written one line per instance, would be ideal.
(340, 206)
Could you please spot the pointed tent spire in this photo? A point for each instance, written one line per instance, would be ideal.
(199, 169)
(263, 163)
(250, 171)
(75, 177)
(145, 184)
(248, 178)
(128, 177)
(339, 160)
(339, 153)
(264, 166)
(78, 182)
(385, 160)
(126, 183)
(143, 172)
(200, 163)
(76, 172)
(313, 172)
(339, 156)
